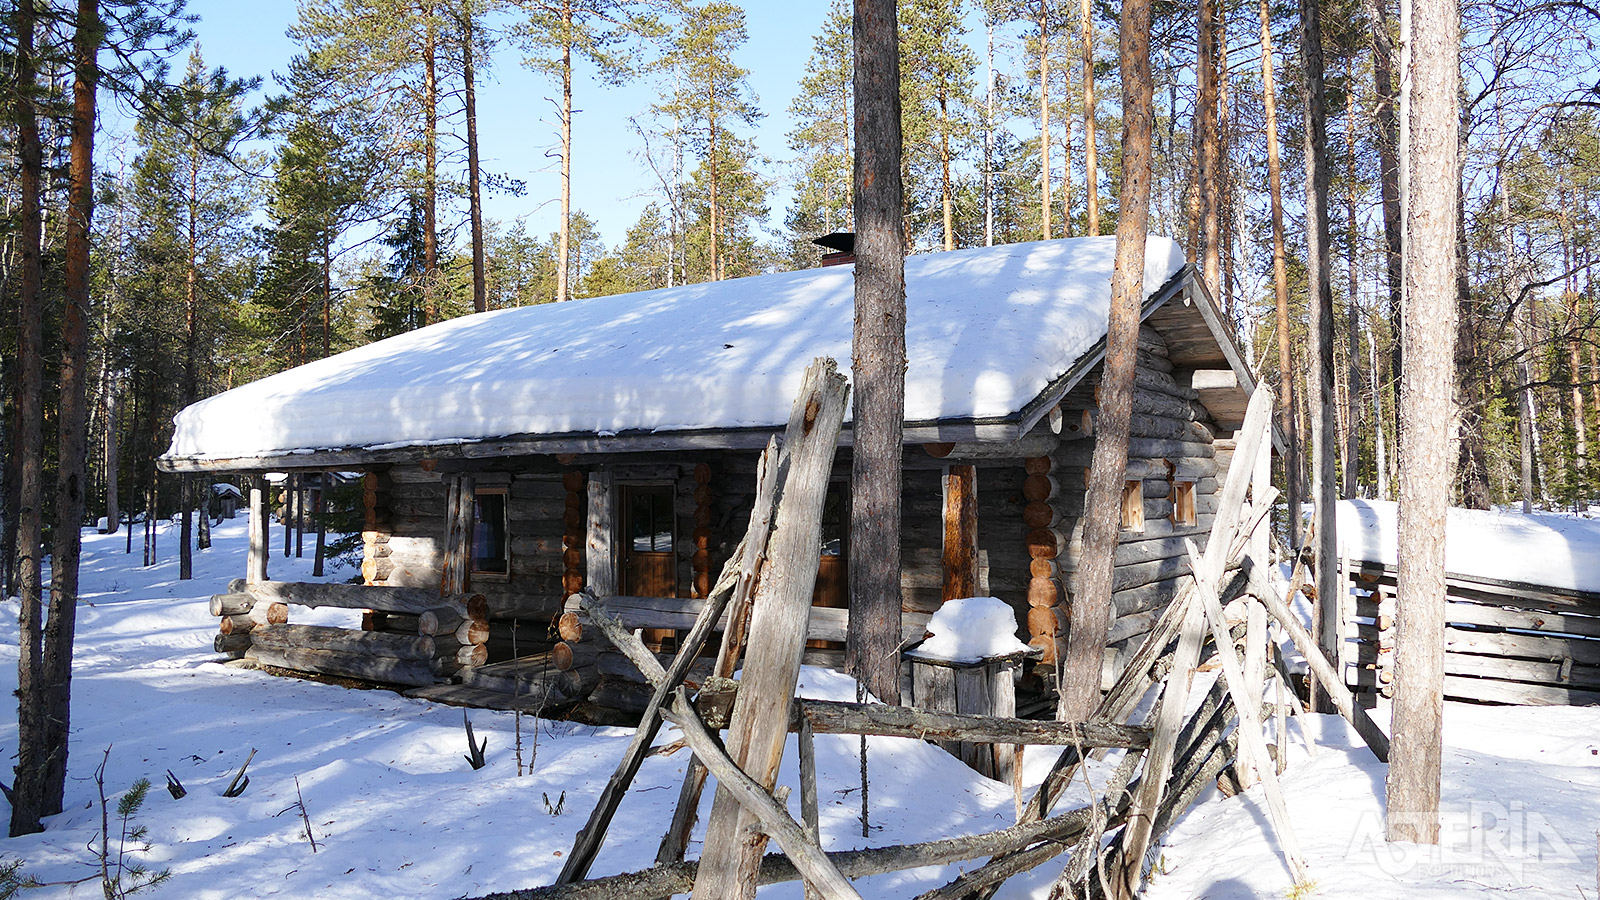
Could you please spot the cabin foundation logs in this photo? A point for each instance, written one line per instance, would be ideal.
(416, 638)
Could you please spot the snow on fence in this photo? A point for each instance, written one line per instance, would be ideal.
(416, 637)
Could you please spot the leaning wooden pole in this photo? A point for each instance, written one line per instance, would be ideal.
(1425, 404)
(878, 366)
(731, 860)
(1091, 608)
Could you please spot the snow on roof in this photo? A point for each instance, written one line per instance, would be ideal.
(1542, 549)
(987, 330)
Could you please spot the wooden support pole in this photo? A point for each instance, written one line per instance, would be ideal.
(753, 797)
(599, 534)
(757, 731)
(256, 562)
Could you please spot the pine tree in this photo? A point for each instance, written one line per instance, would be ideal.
(712, 99)
(936, 103)
(822, 109)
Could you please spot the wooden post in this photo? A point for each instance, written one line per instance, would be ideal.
(458, 536)
(320, 514)
(256, 562)
(960, 532)
(602, 564)
(759, 725)
(1247, 701)
(299, 516)
(288, 514)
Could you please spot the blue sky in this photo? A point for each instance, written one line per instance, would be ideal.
(517, 122)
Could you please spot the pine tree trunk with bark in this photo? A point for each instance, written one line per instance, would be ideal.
(1091, 177)
(1321, 399)
(1091, 608)
(480, 287)
(1044, 119)
(879, 350)
(430, 167)
(564, 242)
(1208, 141)
(1425, 400)
(1293, 469)
(28, 803)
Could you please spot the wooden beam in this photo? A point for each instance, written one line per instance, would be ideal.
(599, 535)
(960, 532)
(256, 561)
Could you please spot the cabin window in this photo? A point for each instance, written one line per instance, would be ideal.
(490, 542)
(647, 559)
(1133, 506)
(1183, 503)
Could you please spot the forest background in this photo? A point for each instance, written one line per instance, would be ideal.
(406, 161)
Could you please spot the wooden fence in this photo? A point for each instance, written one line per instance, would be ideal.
(1505, 642)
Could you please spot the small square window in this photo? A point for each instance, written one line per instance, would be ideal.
(1133, 506)
(1183, 503)
(490, 540)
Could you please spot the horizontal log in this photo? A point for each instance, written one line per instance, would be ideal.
(231, 604)
(472, 655)
(236, 624)
(1555, 674)
(473, 632)
(441, 620)
(1139, 574)
(323, 637)
(348, 664)
(353, 596)
(678, 878)
(1038, 442)
(565, 656)
(265, 612)
(229, 643)
(1144, 425)
(569, 627)
(1528, 620)
(1145, 597)
(679, 613)
(831, 717)
(1516, 692)
(1523, 646)
(1155, 448)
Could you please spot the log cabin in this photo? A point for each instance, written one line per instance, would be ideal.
(514, 457)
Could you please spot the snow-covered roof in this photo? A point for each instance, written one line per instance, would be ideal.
(987, 330)
(1542, 549)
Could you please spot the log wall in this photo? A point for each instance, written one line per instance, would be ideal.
(1504, 643)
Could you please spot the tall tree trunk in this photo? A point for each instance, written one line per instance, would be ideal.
(1580, 480)
(1352, 433)
(879, 367)
(1091, 177)
(430, 166)
(109, 459)
(1091, 608)
(711, 161)
(191, 351)
(564, 245)
(1207, 140)
(1044, 119)
(72, 412)
(1323, 484)
(946, 193)
(1384, 63)
(480, 287)
(1292, 467)
(1222, 178)
(1380, 445)
(988, 135)
(327, 288)
(1425, 397)
(1472, 466)
(28, 802)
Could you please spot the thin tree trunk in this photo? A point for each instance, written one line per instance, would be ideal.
(1044, 118)
(1207, 143)
(28, 803)
(1383, 74)
(1425, 397)
(1323, 448)
(988, 136)
(109, 460)
(1091, 608)
(430, 168)
(1091, 177)
(946, 192)
(1380, 448)
(878, 371)
(480, 287)
(564, 245)
(1292, 467)
(1352, 432)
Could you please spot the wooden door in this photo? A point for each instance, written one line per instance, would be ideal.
(649, 564)
(833, 571)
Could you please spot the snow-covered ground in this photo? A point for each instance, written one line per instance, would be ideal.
(397, 811)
